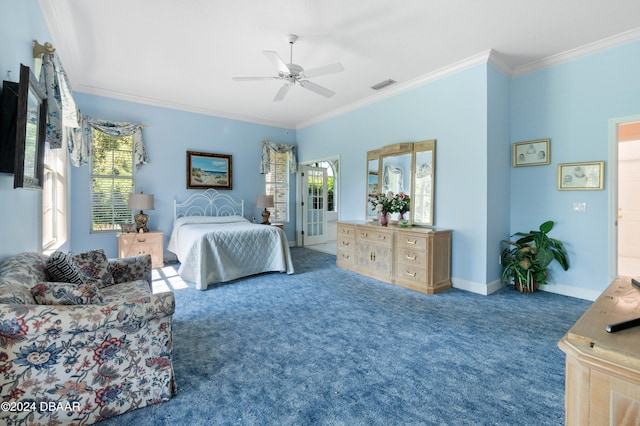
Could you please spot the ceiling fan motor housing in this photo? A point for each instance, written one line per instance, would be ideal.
(295, 72)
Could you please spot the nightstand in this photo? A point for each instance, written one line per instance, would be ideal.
(135, 244)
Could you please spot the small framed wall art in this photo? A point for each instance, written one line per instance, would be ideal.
(581, 176)
(206, 170)
(531, 153)
(128, 227)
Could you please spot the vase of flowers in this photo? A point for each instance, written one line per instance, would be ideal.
(384, 219)
(402, 204)
(384, 205)
(388, 203)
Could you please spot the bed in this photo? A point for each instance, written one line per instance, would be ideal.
(215, 243)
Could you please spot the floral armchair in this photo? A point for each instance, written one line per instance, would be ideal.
(76, 354)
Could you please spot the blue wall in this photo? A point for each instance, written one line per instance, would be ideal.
(21, 213)
(169, 134)
(453, 111)
(572, 104)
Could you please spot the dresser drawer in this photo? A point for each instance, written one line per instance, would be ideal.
(373, 235)
(146, 238)
(345, 256)
(146, 243)
(412, 241)
(346, 231)
(414, 275)
(347, 243)
(412, 257)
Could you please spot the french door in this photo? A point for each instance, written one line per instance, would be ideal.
(314, 207)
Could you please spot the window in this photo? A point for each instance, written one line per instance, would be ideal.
(331, 190)
(277, 184)
(111, 181)
(54, 198)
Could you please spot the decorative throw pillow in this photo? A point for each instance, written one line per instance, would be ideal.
(66, 294)
(62, 268)
(95, 267)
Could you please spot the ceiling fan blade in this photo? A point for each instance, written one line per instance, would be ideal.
(317, 88)
(281, 93)
(327, 69)
(253, 78)
(277, 60)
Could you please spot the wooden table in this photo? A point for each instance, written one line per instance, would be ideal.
(603, 369)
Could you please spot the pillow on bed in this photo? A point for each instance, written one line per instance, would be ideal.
(209, 219)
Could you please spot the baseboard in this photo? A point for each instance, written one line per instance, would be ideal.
(474, 287)
(492, 287)
(571, 291)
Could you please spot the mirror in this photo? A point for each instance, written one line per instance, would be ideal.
(422, 199)
(373, 164)
(30, 132)
(408, 168)
(396, 175)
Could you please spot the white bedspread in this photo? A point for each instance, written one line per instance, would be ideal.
(217, 249)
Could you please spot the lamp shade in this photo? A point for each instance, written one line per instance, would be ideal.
(141, 202)
(265, 201)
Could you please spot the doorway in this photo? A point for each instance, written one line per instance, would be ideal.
(628, 206)
(318, 205)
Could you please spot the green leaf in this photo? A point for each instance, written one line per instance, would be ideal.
(546, 227)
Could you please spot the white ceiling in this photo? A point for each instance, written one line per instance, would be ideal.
(183, 54)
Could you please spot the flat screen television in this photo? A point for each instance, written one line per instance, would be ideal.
(22, 130)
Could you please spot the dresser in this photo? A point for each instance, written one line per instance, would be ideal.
(149, 242)
(602, 383)
(416, 258)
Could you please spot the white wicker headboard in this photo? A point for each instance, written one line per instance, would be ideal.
(208, 203)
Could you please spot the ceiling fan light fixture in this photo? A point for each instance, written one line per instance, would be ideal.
(292, 74)
(383, 84)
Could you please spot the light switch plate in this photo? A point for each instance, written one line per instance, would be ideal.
(580, 207)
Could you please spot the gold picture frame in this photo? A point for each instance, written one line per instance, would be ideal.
(531, 153)
(207, 170)
(583, 176)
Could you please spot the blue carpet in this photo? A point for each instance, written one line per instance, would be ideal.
(327, 346)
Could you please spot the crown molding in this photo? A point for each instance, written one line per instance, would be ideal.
(578, 52)
(480, 58)
(96, 91)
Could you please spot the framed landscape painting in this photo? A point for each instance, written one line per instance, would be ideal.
(206, 170)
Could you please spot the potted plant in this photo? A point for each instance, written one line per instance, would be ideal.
(526, 260)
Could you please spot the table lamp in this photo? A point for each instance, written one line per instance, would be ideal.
(265, 201)
(141, 202)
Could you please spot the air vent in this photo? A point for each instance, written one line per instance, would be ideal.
(383, 84)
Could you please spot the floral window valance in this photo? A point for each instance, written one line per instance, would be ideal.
(61, 108)
(80, 144)
(63, 113)
(267, 147)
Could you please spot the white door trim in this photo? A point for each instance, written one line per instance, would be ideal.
(612, 178)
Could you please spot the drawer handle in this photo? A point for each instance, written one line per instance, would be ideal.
(142, 241)
(345, 243)
(345, 256)
(411, 257)
(346, 231)
(381, 237)
(412, 241)
(411, 274)
(364, 234)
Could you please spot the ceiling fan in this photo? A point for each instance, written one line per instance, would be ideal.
(294, 74)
